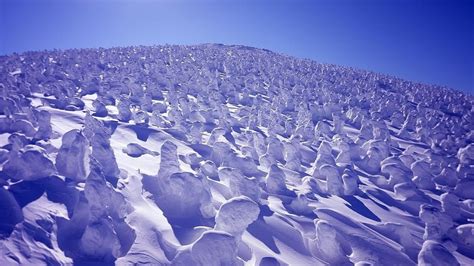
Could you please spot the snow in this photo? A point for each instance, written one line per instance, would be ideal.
(29, 163)
(72, 160)
(236, 214)
(228, 155)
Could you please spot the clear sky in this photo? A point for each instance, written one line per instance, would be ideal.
(427, 41)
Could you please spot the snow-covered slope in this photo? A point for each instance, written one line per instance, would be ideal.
(228, 155)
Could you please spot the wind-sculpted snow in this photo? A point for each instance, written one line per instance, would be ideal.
(72, 160)
(228, 155)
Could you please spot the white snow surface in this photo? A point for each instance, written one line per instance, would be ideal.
(228, 155)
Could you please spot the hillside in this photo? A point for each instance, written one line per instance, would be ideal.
(228, 155)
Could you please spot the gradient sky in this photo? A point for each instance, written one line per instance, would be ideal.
(426, 41)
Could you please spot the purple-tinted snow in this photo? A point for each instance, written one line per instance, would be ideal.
(229, 155)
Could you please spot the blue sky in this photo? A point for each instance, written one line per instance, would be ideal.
(426, 41)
